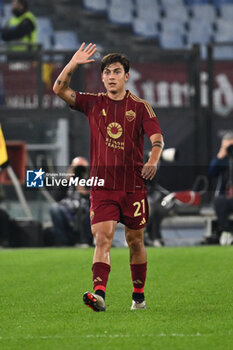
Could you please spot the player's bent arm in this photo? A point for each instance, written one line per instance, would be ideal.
(61, 85)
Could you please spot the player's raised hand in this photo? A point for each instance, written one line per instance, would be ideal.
(62, 84)
(82, 56)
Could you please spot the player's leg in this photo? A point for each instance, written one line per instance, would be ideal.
(135, 211)
(135, 240)
(103, 233)
(138, 265)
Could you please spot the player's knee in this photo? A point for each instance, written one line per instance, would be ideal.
(103, 239)
(135, 241)
(136, 244)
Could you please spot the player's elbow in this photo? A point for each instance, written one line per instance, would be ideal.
(56, 88)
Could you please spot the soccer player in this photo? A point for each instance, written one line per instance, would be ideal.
(118, 121)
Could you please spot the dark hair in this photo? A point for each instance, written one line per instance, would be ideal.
(113, 58)
(24, 3)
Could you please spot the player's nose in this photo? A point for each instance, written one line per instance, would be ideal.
(111, 76)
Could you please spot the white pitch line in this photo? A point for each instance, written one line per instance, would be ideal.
(144, 335)
(105, 335)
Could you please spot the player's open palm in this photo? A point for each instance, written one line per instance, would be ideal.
(82, 56)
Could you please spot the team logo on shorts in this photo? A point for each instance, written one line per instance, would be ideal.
(142, 222)
(130, 115)
(92, 214)
(114, 130)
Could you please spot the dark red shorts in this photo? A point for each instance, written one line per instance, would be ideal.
(129, 208)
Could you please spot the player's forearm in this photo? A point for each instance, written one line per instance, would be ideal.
(63, 81)
(157, 148)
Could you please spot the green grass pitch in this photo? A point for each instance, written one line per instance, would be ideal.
(189, 294)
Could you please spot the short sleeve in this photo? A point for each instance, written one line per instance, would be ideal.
(84, 101)
(150, 122)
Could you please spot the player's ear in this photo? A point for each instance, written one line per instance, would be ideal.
(126, 76)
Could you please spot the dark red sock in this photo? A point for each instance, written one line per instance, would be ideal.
(100, 275)
(138, 273)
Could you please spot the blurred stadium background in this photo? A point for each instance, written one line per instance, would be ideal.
(182, 63)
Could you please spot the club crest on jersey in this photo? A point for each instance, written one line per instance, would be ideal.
(92, 214)
(114, 130)
(130, 115)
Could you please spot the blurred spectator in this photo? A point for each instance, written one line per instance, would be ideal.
(222, 167)
(70, 215)
(21, 27)
(11, 233)
(153, 236)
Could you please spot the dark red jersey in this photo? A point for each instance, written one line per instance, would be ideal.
(117, 131)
